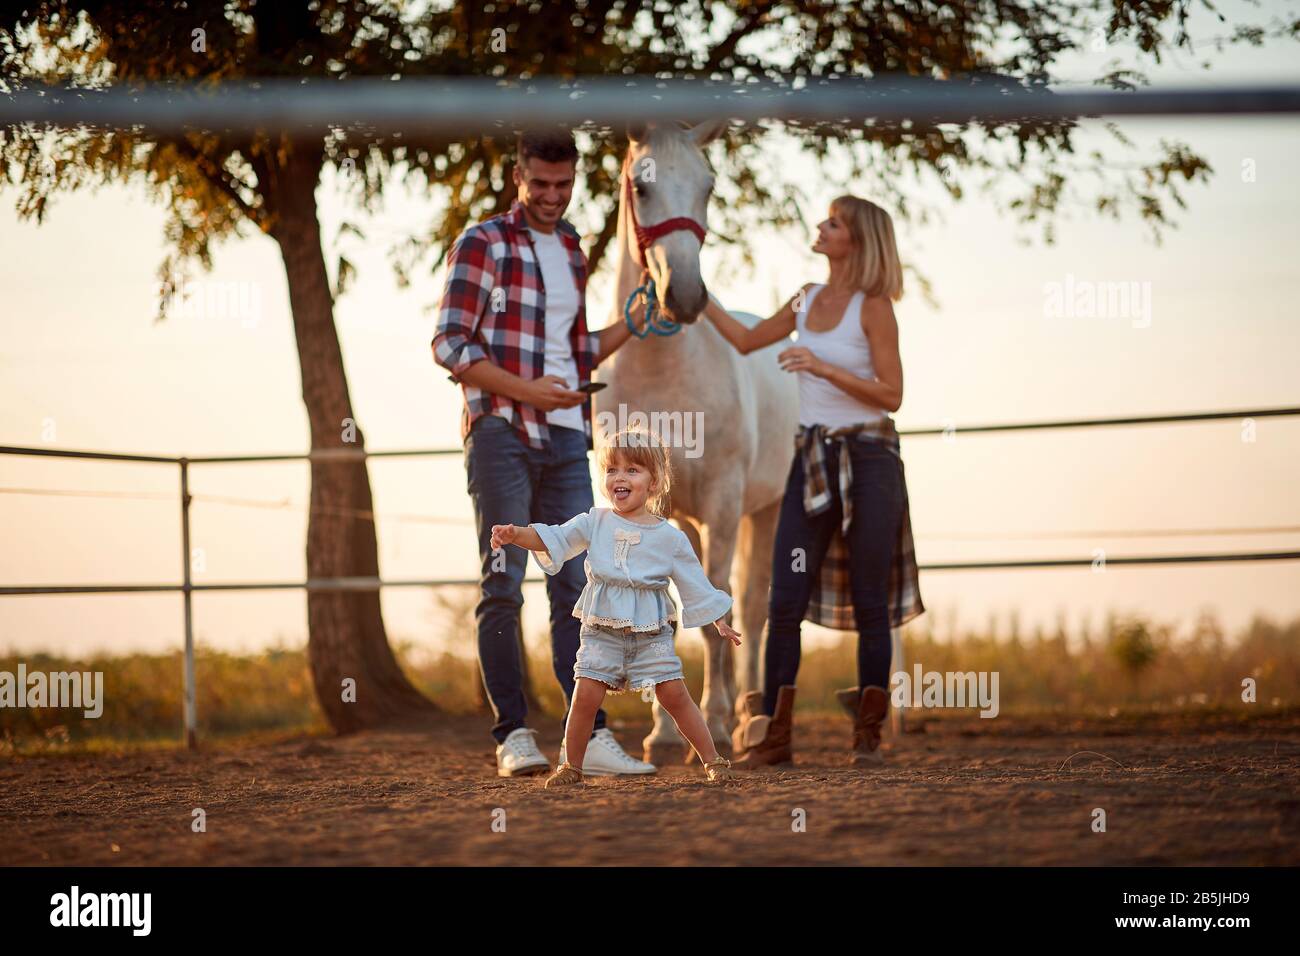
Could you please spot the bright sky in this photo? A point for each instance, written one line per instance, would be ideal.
(83, 366)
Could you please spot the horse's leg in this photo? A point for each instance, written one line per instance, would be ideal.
(755, 551)
(665, 744)
(742, 616)
(716, 702)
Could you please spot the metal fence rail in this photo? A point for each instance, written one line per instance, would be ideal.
(477, 105)
(187, 587)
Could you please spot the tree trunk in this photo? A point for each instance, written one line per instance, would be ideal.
(346, 637)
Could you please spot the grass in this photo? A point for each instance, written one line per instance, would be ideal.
(1133, 668)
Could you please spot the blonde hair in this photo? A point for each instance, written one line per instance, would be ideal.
(636, 446)
(875, 269)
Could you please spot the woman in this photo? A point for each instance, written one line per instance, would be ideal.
(843, 556)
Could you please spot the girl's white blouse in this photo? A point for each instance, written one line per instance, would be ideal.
(628, 567)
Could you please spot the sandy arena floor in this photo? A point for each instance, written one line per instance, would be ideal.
(1175, 791)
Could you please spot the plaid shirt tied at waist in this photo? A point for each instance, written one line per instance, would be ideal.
(832, 598)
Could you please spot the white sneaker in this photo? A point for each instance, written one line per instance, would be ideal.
(518, 755)
(605, 758)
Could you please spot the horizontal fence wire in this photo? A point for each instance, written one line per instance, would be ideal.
(348, 454)
(374, 583)
(284, 504)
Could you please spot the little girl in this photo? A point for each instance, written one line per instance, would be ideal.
(626, 611)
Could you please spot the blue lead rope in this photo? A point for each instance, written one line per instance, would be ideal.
(659, 325)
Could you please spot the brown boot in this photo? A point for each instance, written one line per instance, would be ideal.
(760, 740)
(872, 708)
(849, 698)
(748, 708)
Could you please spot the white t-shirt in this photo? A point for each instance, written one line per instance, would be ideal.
(561, 312)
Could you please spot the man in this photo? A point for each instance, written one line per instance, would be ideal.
(512, 330)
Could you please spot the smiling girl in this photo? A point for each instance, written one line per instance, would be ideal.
(628, 618)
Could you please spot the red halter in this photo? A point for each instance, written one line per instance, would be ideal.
(647, 235)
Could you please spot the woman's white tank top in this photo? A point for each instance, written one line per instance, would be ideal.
(846, 345)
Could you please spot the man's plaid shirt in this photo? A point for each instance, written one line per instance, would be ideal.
(494, 307)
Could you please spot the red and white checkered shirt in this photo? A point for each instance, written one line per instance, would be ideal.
(494, 307)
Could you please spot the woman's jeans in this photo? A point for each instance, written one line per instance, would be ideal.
(801, 543)
(513, 483)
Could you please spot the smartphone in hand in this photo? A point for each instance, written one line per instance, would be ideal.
(591, 387)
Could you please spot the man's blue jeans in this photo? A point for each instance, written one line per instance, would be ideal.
(511, 483)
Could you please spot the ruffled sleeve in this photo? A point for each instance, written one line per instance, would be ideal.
(563, 541)
(702, 603)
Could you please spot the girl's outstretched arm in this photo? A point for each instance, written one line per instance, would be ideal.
(727, 631)
(525, 537)
(702, 603)
(746, 340)
(554, 544)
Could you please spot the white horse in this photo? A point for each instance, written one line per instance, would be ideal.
(726, 490)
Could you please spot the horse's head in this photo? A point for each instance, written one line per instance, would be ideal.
(667, 178)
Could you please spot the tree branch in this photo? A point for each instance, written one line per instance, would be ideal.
(219, 178)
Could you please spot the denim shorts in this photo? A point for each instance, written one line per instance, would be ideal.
(627, 660)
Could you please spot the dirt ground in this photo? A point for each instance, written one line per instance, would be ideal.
(1175, 791)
